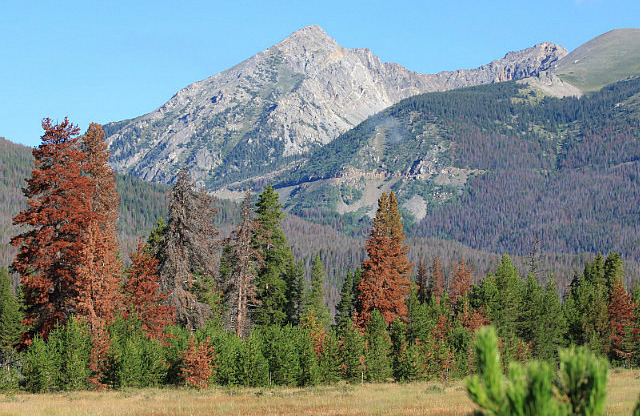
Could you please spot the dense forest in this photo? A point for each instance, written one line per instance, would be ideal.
(194, 307)
(557, 173)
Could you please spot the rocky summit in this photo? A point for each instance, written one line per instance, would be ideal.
(266, 114)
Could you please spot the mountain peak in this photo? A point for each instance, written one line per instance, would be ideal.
(309, 36)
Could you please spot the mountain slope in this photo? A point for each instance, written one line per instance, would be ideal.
(496, 167)
(611, 57)
(268, 112)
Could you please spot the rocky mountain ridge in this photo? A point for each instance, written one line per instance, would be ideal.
(270, 111)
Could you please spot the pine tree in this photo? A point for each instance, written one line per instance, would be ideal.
(501, 293)
(352, 352)
(316, 302)
(141, 296)
(586, 308)
(542, 323)
(345, 307)
(10, 315)
(378, 358)
(460, 284)
(240, 286)
(385, 282)
(254, 368)
(422, 280)
(60, 209)
(99, 272)
(188, 253)
(296, 296)
(329, 362)
(197, 368)
(270, 242)
(436, 285)
(621, 318)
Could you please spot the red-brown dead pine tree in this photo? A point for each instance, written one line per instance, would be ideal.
(58, 215)
(98, 274)
(141, 296)
(621, 317)
(385, 284)
(460, 284)
(197, 368)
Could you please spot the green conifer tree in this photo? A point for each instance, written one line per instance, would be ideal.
(10, 316)
(253, 366)
(378, 358)
(271, 243)
(352, 352)
(316, 301)
(329, 362)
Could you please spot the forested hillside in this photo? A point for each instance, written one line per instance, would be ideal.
(495, 167)
(141, 203)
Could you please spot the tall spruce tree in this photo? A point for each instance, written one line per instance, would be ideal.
(586, 307)
(385, 284)
(277, 282)
(188, 253)
(346, 305)
(378, 358)
(316, 303)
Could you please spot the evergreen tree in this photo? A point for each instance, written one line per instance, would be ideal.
(422, 280)
(329, 362)
(10, 316)
(586, 308)
(254, 368)
(281, 352)
(275, 305)
(501, 294)
(542, 323)
(296, 291)
(378, 358)
(40, 368)
(352, 352)
(316, 301)
(385, 282)
(345, 307)
(307, 357)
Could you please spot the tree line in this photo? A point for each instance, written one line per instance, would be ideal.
(195, 308)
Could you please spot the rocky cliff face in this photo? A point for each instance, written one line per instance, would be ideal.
(266, 113)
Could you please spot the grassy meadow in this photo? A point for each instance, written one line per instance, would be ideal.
(431, 398)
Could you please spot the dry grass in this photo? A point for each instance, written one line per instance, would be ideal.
(342, 399)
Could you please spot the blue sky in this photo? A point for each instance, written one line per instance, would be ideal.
(105, 61)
